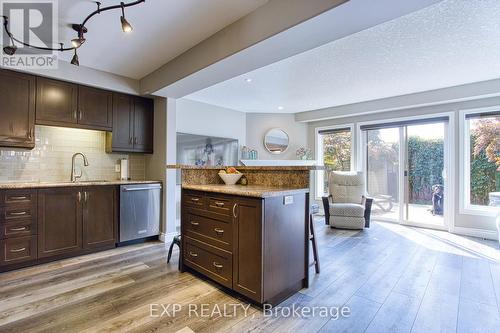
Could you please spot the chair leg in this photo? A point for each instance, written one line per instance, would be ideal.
(312, 237)
(170, 251)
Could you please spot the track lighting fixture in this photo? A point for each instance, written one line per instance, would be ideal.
(75, 60)
(77, 42)
(10, 49)
(80, 29)
(126, 27)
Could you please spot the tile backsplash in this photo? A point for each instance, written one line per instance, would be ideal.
(50, 160)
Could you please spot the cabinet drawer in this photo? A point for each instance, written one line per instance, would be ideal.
(17, 197)
(212, 262)
(16, 250)
(16, 213)
(18, 229)
(194, 200)
(213, 232)
(220, 205)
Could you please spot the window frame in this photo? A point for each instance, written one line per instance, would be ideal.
(465, 206)
(320, 174)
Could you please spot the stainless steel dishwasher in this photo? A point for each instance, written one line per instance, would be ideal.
(140, 207)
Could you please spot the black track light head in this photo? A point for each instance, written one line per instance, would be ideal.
(75, 60)
(10, 49)
(126, 27)
(77, 42)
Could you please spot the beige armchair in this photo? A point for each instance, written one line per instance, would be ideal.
(347, 206)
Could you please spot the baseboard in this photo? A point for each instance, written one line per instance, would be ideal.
(480, 233)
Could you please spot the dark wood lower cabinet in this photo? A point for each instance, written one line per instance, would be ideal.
(266, 256)
(248, 247)
(40, 225)
(59, 221)
(99, 216)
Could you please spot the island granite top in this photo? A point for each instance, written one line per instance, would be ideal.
(243, 168)
(20, 185)
(255, 191)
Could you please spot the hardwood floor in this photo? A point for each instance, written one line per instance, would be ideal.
(392, 278)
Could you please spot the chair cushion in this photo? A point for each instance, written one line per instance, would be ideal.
(347, 209)
(346, 187)
(347, 222)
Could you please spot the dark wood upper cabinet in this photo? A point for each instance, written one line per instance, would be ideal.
(99, 216)
(26, 100)
(59, 221)
(121, 138)
(143, 125)
(17, 109)
(95, 108)
(133, 119)
(56, 102)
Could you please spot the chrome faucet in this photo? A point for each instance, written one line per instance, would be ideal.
(74, 176)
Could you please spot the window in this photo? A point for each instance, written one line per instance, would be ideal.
(481, 169)
(334, 150)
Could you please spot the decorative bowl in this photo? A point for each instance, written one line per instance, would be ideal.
(230, 178)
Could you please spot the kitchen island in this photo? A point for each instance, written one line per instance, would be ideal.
(253, 239)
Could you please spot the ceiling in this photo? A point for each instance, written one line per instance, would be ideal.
(163, 29)
(451, 43)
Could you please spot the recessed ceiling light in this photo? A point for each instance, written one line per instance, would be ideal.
(248, 80)
(280, 108)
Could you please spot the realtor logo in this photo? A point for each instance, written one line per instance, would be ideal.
(34, 23)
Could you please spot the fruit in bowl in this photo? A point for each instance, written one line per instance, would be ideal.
(230, 176)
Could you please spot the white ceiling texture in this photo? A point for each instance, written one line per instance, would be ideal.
(450, 43)
(163, 29)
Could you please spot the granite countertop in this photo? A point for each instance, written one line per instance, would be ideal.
(255, 191)
(242, 167)
(19, 185)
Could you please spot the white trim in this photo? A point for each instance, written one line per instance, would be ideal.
(319, 154)
(465, 206)
(481, 233)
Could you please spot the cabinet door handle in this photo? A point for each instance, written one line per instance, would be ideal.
(18, 250)
(75, 115)
(195, 199)
(234, 210)
(219, 204)
(193, 254)
(18, 229)
(80, 115)
(18, 213)
(79, 196)
(18, 198)
(85, 196)
(135, 141)
(194, 223)
(219, 231)
(217, 265)
(130, 140)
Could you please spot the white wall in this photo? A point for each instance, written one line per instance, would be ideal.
(476, 225)
(206, 119)
(259, 123)
(89, 76)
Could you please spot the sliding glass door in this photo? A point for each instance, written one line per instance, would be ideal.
(424, 174)
(383, 166)
(405, 166)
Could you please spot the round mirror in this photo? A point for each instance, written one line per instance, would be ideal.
(276, 141)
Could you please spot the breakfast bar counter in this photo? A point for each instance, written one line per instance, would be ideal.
(255, 191)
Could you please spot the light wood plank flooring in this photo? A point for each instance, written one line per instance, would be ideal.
(392, 278)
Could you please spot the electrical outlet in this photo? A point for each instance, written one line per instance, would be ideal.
(117, 167)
